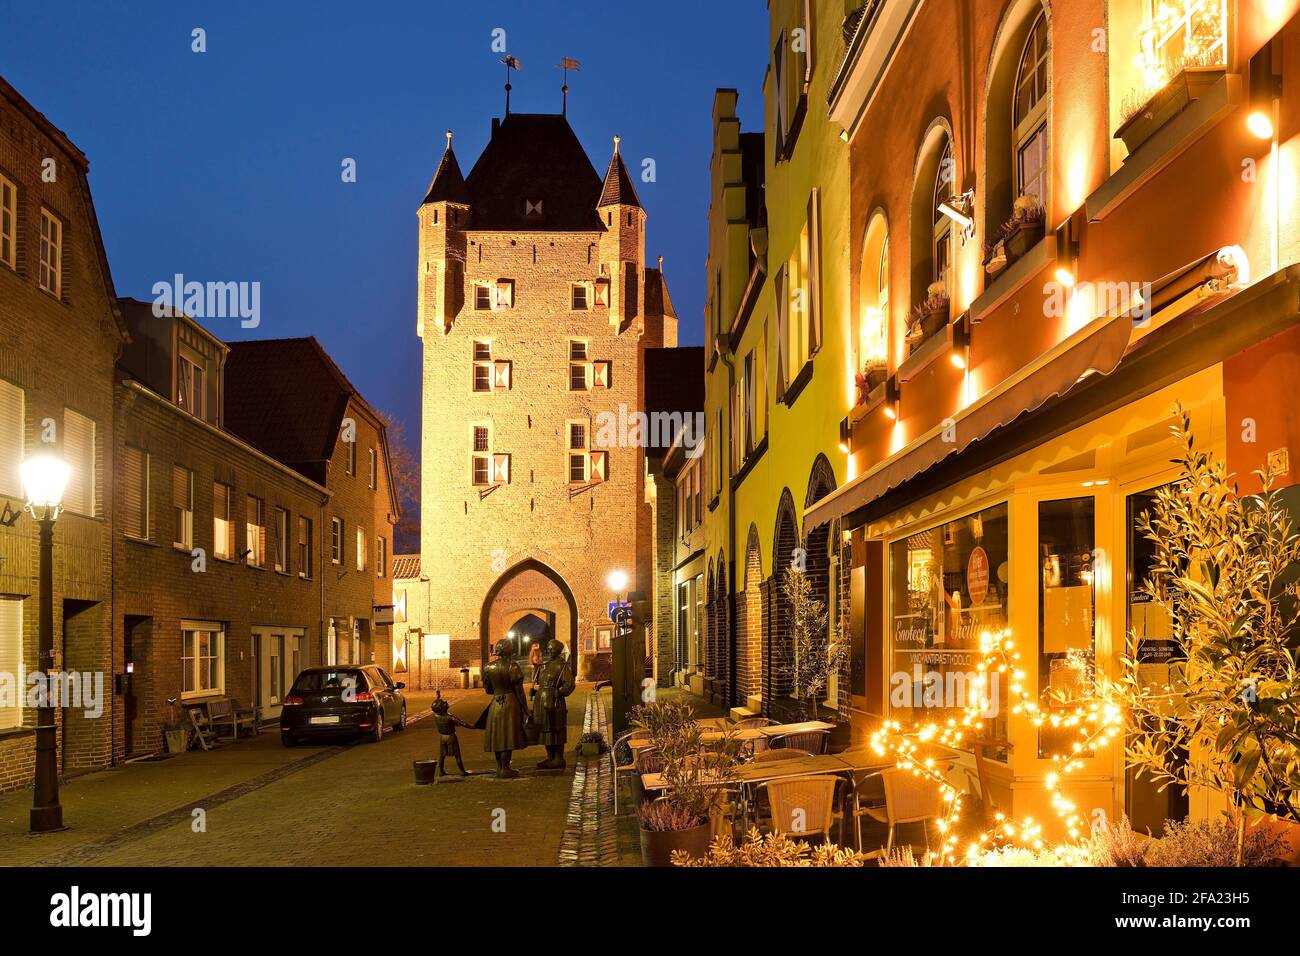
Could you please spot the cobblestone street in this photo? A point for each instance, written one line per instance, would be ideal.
(315, 805)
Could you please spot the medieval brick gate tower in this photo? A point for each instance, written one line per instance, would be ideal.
(535, 309)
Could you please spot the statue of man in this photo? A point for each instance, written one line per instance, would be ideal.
(503, 679)
(554, 683)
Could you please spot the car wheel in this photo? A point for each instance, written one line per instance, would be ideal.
(288, 740)
(401, 721)
(378, 733)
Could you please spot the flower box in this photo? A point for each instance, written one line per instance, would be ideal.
(1188, 84)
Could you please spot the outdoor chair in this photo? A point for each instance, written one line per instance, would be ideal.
(803, 806)
(624, 769)
(813, 741)
(981, 772)
(201, 727)
(909, 798)
(647, 761)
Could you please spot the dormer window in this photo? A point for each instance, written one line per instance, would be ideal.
(189, 384)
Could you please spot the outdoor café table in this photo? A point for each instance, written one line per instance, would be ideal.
(803, 727)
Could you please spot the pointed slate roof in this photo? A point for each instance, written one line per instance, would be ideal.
(534, 175)
(448, 185)
(618, 188)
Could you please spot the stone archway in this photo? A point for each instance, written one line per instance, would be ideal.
(535, 600)
(777, 645)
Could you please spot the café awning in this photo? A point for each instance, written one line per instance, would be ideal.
(1095, 349)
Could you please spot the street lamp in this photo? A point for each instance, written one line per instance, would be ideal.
(617, 582)
(44, 478)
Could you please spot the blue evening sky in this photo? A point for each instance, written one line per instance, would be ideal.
(226, 165)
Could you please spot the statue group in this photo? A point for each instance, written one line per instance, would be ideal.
(504, 680)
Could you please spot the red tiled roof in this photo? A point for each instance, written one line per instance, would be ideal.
(406, 566)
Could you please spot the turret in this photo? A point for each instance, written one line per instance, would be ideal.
(622, 247)
(444, 216)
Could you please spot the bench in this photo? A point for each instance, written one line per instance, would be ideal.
(226, 712)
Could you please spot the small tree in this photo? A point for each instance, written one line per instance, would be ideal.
(815, 652)
(1224, 572)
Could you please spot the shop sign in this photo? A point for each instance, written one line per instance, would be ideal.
(977, 576)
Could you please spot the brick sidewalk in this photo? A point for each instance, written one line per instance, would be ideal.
(316, 805)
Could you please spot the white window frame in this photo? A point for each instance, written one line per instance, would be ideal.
(190, 375)
(255, 533)
(574, 452)
(184, 517)
(223, 528)
(8, 222)
(282, 540)
(942, 235)
(484, 455)
(579, 358)
(361, 548)
(305, 543)
(218, 632)
(374, 468)
(381, 556)
(1026, 130)
(336, 540)
(50, 273)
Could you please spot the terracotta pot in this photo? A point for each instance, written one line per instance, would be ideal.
(590, 750)
(426, 771)
(657, 846)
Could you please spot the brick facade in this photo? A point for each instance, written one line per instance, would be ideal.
(509, 286)
(58, 350)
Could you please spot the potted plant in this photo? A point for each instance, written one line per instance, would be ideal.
(1180, 82)
(929, 316)
(591, 744)
(1222, 573)
(680, 820)
(817, 648)
(175, 734)
(870, 378)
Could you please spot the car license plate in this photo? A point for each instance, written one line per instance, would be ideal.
(332, 719)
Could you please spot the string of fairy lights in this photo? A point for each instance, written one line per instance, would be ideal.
(1091, 721)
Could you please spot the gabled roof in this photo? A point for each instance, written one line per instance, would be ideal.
(618, 188)
(288, 398)
(534, 175)
(406, 566)
(447, 185)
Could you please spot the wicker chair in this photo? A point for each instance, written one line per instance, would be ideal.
(813, 741)
(909, 798)
(624, 769)
(803, 806)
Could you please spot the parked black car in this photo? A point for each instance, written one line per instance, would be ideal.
(341, 699)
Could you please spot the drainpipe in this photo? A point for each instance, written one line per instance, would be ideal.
(723, 344)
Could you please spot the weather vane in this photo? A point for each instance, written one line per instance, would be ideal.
(512, 63)
(566, 64)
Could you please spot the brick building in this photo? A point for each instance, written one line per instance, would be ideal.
(234, 478)
(535, 307)
(59, 335)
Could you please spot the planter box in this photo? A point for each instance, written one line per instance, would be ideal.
(589, 749)
(1022, 240)
(930, 324)
(873, 377)
(175, 740)
(657, 846)
(1190, 84)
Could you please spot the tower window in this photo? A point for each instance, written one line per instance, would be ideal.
(580, 300)
(482, 366)
(482, 297)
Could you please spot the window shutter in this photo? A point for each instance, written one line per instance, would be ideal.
(600, 375)
(501, 469)
(782, 319)
(11, 438)
(79, 452)
(599, 465)
(813, 307)
(602, 291)
(501, 376)
(181, 489)
(505, 294)
(11, 658)
(135, 492)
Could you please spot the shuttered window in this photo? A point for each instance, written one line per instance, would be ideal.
(11, 439)
(223, 529)
(79, 452)
(361, 549)
(381, 556)
(11, 658)
(255, 532)
(183, 507)
(135, 493)
(7, 222)
(281, 540)
(304, 547)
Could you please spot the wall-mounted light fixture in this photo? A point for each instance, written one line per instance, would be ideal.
(1067, 252)
(892, 395)
(846, 435)
(961, 335)
(961, 210)
(1265, 91)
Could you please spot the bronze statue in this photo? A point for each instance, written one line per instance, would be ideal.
(448, 742)
(505, 719)
(554, 683)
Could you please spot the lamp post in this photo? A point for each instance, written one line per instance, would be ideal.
(628, 661)
(44, 478)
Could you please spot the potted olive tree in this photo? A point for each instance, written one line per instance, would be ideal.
(1228, 719)
(694, 778)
